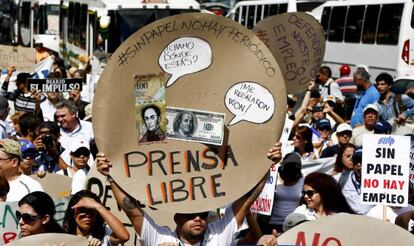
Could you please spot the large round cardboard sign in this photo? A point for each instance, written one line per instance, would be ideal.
(56, 185)
(345, 229)
(216, 71)
(48, 239)
(297, 42)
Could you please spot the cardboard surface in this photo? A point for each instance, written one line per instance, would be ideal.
(297, 42)
(182, 176)
(20, 57)
(47, 239)
(346, 229)
(56, 185)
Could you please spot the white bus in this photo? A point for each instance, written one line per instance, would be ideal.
(39, 20)
(248, 13)
(376, 33)
(104, 24)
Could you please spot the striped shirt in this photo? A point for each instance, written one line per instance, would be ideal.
(21, 101)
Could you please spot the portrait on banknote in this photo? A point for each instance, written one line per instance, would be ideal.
(195, 125)
(150, 108)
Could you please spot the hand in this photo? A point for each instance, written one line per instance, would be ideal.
(41, 174)
(37, 95)
(94, 242)
(400, 119)
(103, 165)
(275, 153)
(75, 95)
(38, 143)
(10, 70)
(268, 240)
(87, 202)
(311, 84)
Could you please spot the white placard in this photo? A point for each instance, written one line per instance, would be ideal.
(264, 203)
(385, 170)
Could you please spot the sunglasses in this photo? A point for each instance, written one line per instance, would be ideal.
(323, 129)
(298, 137)
(83, 210)
(345, 134)
(27, 218)
(309, 193)
(80, 152)
(348, 156)
(202, 216)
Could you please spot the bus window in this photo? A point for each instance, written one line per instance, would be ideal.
(76, 23)
(62, 18)
(25, 15)
(70, 23)
(326, 14)
(412, 18)
(389, 24)
(283, 8)
(370, 24)
(336, 29)
(354, 24)
(82, 29)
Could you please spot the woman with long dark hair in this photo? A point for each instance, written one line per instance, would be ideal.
(344, 159)
(302, 141)
(87, 217)
(322, 196)
(36, 215)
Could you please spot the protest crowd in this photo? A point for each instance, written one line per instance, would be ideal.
(52, 133)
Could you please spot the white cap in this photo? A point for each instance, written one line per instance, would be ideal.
(293, 220)
(343, 127)
(329, 98)
(371, 106)
(78, 143)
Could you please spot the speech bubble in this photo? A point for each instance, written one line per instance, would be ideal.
(249, 101)
(184, 56)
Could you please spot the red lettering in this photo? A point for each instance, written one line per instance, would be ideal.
(9, 236)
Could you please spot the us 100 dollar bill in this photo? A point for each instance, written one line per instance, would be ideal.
(196, 126)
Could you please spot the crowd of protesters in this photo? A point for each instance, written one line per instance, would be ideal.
(52, 133)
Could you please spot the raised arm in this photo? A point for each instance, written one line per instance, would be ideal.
(129, 205)
(300, 113)
(119, 232)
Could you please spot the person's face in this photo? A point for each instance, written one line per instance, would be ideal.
(344, 137)
(312, 197)
(357, 168)
(64, 117)
(85, 218)
(383, 87)
(359, 83)
(21, 86)
(186, 124)
(324, 131)
(8, 165)
(347, 158)
(27, 163)
(30, 222)
(151, 119)
(52, 96)
(313, 101)
(298, 140)
(80, 157)
(370, 118)
(193, 225)
(317, 115)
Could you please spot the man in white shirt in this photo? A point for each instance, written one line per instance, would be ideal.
(71, 126)
(20, 184)
(370, 120)
(328, 85)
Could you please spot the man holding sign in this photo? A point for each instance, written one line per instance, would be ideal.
(192, 229)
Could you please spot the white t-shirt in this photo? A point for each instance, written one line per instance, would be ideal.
(219, 233)
(286, 199)
(84, 131)
(78, 180)
(48, 110)
(22, 186)
(309, 213)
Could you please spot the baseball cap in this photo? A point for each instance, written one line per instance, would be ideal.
(27, 148)
(371, 106)
(321, 123)
(79, 143)
(293, 220)
(291, 160)
(22, 77)
(343, 127)
(382, 127)
(357, 157)
(329, 98)
(11, 147)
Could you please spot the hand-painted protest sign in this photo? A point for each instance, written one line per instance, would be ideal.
(264, 203)
(54, 85)
(9, 229)
(49, 239)
(20, 57)
(189, 176)
(298, 44)
(346, 229)
(385, 170)
(56, 185)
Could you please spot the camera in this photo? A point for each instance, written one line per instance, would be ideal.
(48, 140)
